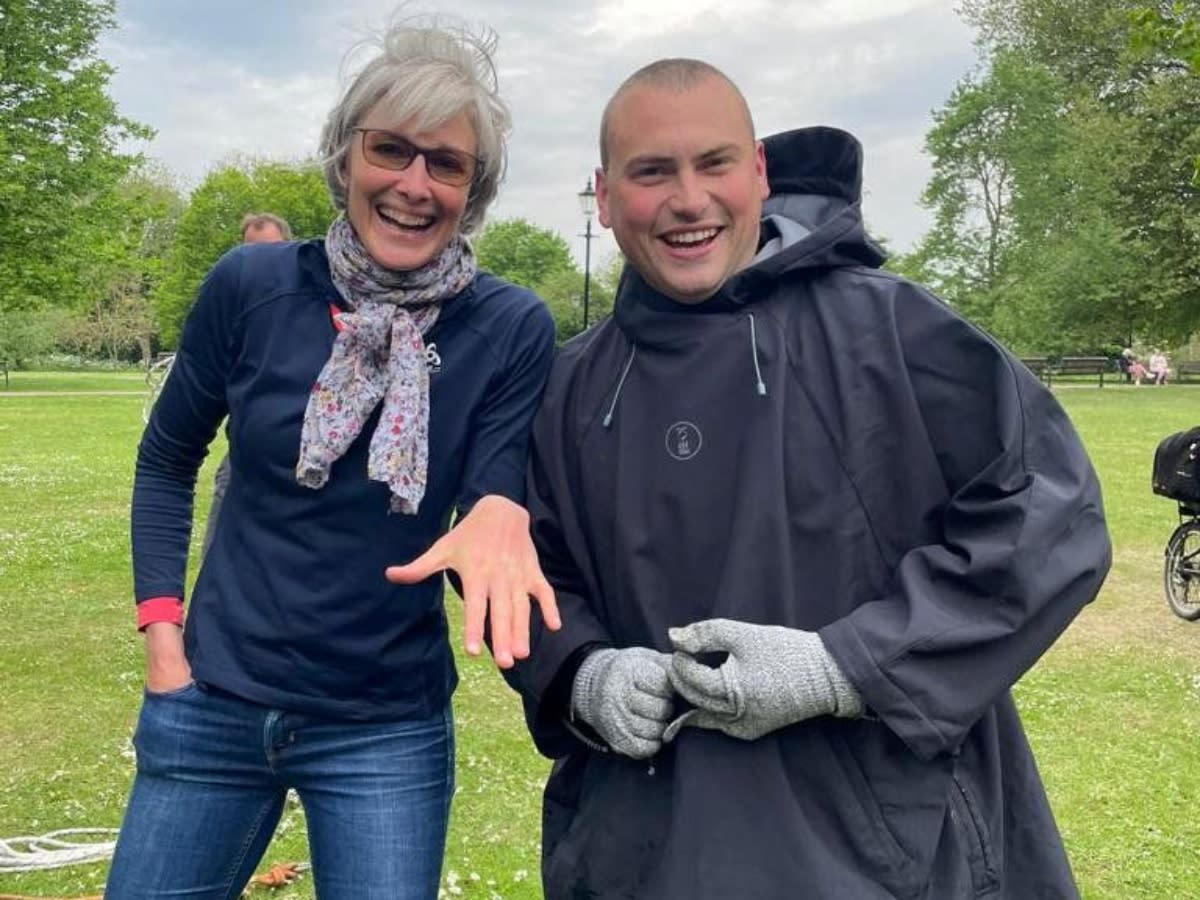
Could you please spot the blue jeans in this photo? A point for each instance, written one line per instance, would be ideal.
(212, 775)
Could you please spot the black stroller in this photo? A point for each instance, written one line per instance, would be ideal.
(1177, 475)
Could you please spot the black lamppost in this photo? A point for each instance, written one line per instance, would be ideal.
(587, 202)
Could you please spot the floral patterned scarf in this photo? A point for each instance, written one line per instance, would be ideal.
(379, 353)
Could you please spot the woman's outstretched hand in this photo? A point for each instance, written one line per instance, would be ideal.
(491, 551)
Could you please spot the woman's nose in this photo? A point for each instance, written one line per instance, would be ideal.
(414, 181)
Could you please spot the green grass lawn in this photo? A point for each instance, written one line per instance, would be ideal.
(1113, 710)
(121, 380)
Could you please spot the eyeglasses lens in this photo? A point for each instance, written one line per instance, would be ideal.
(390, 151)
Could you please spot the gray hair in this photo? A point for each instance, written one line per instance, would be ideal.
(672, 74)
(427, 73)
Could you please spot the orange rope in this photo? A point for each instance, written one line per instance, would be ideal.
(276, 876)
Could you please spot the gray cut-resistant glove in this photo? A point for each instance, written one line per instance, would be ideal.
(625, 695)
(772, 677)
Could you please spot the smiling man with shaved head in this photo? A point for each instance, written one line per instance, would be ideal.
(681, 180)
(807, 527)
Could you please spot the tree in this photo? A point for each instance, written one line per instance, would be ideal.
(130, 236)
(1169, 38)
(210, 225)
(1065, 213)
(522, 253)
(540, 260)
(24, 336)
(563, 293)
(118, 324)
(1174, 33)
(1085, 42)
(59, 131)
(991, 128)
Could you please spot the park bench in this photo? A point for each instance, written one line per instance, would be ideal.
(1039, 366)
(1184, 369)
(1083, 365)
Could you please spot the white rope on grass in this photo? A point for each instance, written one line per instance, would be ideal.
(55, 850)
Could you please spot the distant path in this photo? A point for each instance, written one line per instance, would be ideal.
(4, 393)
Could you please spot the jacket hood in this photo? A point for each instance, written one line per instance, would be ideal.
(815, 175)
(811, 220)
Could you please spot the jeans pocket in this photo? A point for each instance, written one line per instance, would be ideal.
(165, 718)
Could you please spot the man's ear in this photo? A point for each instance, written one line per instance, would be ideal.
(760, 169)
(602, 198)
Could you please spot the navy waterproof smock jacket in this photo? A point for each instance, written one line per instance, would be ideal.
(824, 446)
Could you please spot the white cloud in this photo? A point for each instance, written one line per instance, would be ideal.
(843, 13)
(231, 76)
(636, 20)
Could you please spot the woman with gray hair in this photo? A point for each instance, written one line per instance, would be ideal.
(375, 384)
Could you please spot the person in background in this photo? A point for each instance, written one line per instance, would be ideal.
(257, 228)
(1137, 371)
(300, 665)
(1159, 367)
(264, 228)
(1125, 363)
(807, 527)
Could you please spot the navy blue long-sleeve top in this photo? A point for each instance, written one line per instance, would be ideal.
(291, 608)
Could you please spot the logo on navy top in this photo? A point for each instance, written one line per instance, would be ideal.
(432, 360)
(683, 440)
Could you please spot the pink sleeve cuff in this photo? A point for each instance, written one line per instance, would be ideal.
(159, 609)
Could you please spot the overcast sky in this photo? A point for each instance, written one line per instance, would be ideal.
(220, 77)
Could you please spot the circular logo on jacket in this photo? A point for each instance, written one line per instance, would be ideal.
(683, 440)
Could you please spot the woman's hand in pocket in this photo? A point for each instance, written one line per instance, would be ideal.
(167, 667)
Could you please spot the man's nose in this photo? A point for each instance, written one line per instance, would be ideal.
(689, 199)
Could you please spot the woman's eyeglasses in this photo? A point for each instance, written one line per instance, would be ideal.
(389, 150)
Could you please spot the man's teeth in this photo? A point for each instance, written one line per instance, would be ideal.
(405, 220)
(686, 238)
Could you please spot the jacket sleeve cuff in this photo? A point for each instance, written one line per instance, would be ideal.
(159, 609)
(847, 701)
